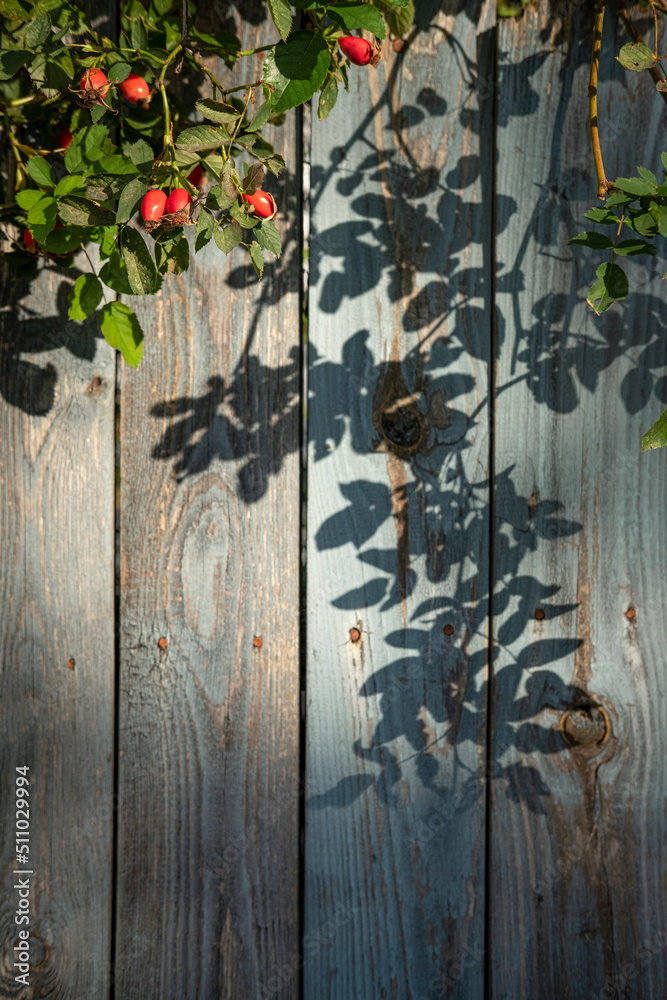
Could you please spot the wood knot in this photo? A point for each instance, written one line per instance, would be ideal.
(586, 727)
(403, 427)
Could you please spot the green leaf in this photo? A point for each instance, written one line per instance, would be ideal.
(129, 200)
(358, 15)
(172, 255)
(141, 272)
(636, 185)
(112, 163)
(37, 31)
(648, 176)
(16, 10)
(602, 216)
(268, 237)
(202, 137)
(26, 199)
(328, 98)
(228, 237)
(636, 56)
(224, 44)
(92, 142)
(64, 240)
(275, 164)
(84, 297)
(122, 331)
(662, 222)
(11, 62)
(663, 158)
(619, 198)
(257, 258)
(114, 273)
(260, 117)
(223, 114)
(254, 178)
(119, 72)
(399, 17)
(595, 241)
(611, 286)
(281, 12)
(42, 217)
(68, 184)
(53, 72)
(656, 437)
(141, 155)
(205, 225)
(642, 223)
(632, 248)
(81, 212)
(296, 69)
(41, 171)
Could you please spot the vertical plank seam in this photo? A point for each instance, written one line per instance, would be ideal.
(304, 282)
(115, 808)
(488, 963)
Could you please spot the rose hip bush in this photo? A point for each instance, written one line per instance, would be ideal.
(102, 151)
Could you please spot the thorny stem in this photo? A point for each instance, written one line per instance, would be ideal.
(184, 34)
(603, 183)
(636, 37)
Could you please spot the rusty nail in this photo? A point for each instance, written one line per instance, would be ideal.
(162, 643)
(95, 384)
(258, 642)
(630, 614)
(398, 45)
(539, 614)
(355, 635)
(71, 663)
(448, 630)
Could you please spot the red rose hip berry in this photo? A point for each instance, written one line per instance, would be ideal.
(177, 200)
(153, 205)
(196, 176)
(65, 137)
(357, 50)
(94, 79)
(30, 242)
(262, 204)
(134, 88)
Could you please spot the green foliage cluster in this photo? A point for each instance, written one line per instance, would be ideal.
(82, 159)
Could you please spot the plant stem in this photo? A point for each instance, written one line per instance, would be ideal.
(603, 183)
(252, 52)
(636, 37)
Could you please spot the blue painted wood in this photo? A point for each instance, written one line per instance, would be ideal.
(398, 522)
(56, 636)
(209, 721)
(579, 779)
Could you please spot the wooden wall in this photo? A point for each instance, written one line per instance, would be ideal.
(440, 773)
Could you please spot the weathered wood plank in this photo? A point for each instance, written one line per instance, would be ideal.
(398, 522)
(56, 635)
(578, 848)
(208, 822)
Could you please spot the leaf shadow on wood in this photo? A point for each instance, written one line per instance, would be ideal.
(26, 383)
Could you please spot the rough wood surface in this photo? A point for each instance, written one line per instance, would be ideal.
(398, 521)
(209, 725)
(56, 635)
(578, 848)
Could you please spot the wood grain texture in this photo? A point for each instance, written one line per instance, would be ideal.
(398, 522)
(56, 635)
(578, 828)
(209, 725)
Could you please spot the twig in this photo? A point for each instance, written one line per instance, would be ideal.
(184, 35)
(603, 183)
